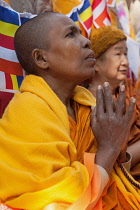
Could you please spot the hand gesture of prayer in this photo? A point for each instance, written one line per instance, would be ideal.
(111, 124)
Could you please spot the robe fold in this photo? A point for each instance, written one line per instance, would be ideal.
(48, 159)
(135, 128)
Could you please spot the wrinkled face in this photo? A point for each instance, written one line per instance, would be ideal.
(69, 56)
(114, 64)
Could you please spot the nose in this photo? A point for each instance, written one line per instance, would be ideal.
(125, 60)
(86, 42)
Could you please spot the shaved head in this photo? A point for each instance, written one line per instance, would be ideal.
(33, 34)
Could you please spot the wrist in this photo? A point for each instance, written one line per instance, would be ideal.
(106, 158)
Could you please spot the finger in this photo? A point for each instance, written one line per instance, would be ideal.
(99, 102)
(129, 113)
(93, 116)
(121, 102)
(94, 110)
(109, 104)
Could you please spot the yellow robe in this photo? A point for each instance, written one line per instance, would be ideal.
(41, 154)
(37, 155)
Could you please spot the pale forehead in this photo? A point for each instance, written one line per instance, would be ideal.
(121, 45)
(60, 23)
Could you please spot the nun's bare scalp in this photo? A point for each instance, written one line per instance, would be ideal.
(34, 33)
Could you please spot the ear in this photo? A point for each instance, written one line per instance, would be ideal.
(97, 64)
(40, 58)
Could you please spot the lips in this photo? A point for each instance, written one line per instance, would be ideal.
(123, 71)
(90, 56)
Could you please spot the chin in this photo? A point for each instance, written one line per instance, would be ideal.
(92, 73)
(89, 74)
(122, 77)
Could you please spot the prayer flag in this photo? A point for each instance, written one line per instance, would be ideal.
(83, 14)
(111, 3)
(11, 72)
(74, 16)
(100, 13)
(91, 12)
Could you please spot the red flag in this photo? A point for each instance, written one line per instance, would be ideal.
(100, 13)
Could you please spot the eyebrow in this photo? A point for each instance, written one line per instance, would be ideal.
(74, 28)
(120, 48)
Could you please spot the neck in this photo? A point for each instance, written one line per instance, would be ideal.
(64, 91)
(94, 85)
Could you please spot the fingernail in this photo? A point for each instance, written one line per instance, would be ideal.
(133, 99)
(99, 87)
(106, 84)
(122, 87)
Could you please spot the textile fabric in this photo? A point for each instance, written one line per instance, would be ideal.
(135, 129)
(40, 153)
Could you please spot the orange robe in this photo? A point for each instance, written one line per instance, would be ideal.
(47, 160)
(131, 91)
(115, 195)
(37, 153)
(135, 128)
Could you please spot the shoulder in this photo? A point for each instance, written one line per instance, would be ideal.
(131, 91)
(130, 87)
(84, 96)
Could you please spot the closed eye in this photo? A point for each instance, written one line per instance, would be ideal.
(70, 34)
(73, 30)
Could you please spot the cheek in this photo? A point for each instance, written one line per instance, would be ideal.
(113, 66)
(72, 50)
(111, 72)
(72, 54)
(74, 60)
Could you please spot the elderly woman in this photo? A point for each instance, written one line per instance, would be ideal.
(109, 46)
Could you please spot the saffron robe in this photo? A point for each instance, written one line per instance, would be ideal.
(134, 136)
(40, 164)
(135, 128)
